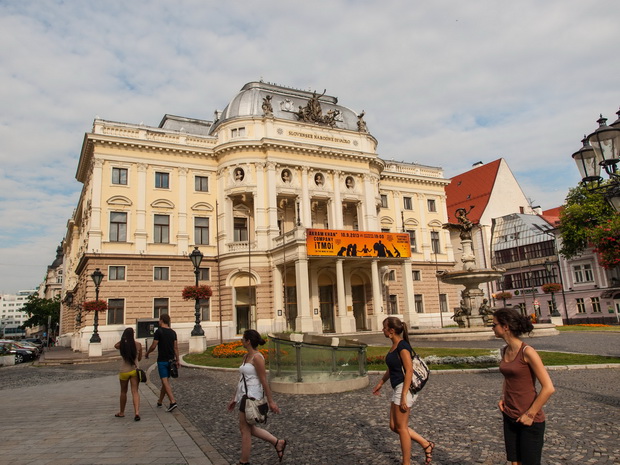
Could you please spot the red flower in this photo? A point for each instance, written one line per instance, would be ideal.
(197, 292)
(92, 305)
(551, 287)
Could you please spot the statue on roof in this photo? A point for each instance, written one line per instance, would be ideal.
(361, 124)
(267, 108)
(312, 112)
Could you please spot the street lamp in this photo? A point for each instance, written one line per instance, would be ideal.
(196, 258)
(97, 277)
(601, 149)
(549, 267)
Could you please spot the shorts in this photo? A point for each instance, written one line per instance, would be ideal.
(128, 374)
(523, 443)
(164, 369)
(398, 390)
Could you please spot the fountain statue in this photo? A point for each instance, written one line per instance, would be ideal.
(474, 309)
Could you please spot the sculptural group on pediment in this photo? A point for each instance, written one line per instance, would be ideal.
(312, 112)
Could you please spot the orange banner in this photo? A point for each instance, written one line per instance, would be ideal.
(335, 243)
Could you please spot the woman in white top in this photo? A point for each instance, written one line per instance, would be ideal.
(253, 369)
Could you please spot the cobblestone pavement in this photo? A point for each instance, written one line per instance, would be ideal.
(457, 411)
(597, 343)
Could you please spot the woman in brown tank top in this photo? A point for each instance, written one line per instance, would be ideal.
(521, 405)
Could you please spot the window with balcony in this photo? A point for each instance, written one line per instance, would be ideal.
(241, 229)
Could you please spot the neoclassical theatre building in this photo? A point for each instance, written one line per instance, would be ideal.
(302, 225)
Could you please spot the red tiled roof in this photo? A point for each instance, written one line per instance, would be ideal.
(552, 216)
(472, 188)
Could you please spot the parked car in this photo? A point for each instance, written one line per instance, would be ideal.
(36, 341)
(29, 346)
(21, 354)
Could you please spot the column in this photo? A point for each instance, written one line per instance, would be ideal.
(370, 222)
(141, 234)
(95, 233)
(304, 321)
(337, 203)
(345, 322)
(409, 313)
(272, 200)
(182, 234)
(306, 218)
(260, 208)
(376, 321)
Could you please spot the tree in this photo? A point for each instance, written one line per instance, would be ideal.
(581, 219)
(40, 310)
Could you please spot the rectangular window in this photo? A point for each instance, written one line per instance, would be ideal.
(583, 273)
(162, 229)
(407, 205)
(587, 273)
(160, 305)
(414, 246)
(241, 229)
(204, 274)
(443, 303)
(393, 305)
(385, 230)
(419, 303)
(116, 273)
(118, 227)
(596, 304)
(384, 202)
(116, 311)
(435, 245)
(161, 273)
(391, 275)
(201, 183)
(119, 176)
(237, 132)
(581, 306)
(432, 206)
(162, 180)
(201, 231)
(415, 274)
(205, 309)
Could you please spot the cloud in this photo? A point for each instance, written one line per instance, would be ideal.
(443, 83)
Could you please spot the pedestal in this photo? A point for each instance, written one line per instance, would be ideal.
(345, 324)
(95, 349)
(197, 344)
(557, 320)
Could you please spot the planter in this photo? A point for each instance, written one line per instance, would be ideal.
(7, 360)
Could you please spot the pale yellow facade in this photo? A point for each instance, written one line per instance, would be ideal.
(244, 189)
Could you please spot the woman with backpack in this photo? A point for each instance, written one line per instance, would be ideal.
(400, 373)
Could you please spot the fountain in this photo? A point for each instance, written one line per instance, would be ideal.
(474, 309)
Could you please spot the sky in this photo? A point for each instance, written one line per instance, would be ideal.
(445, 83)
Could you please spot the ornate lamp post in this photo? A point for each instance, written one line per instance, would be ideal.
(549, 268)
(97, 277)
(196, 258)
(601, 149)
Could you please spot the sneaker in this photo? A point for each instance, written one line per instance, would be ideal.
(172, 407)
(159, 404)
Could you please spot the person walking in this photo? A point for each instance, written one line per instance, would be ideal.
(520, 404)
(253, 383)
(165, 340)
(131, 353)
(400, 372)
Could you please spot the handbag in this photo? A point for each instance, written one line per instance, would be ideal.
(141, 375)
(421, 372)
(256, 410)
(174, 369)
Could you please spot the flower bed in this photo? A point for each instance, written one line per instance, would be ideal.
(493, 358)
(233, 349)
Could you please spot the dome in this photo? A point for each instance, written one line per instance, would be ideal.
(290, 104)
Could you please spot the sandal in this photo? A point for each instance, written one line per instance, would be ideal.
(280, 452)
(136, 418)
(118, 415)
(429, 453)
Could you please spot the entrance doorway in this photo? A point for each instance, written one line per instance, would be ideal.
(358, 294)
(326, 303)
(244, 300)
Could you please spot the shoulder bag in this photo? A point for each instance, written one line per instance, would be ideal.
(255, 409)
(420, 372)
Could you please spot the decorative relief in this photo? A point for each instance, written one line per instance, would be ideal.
(267, 108)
